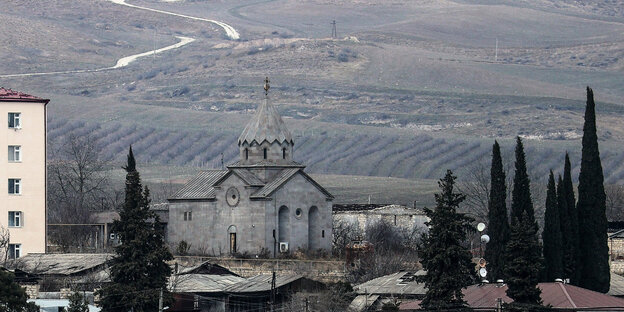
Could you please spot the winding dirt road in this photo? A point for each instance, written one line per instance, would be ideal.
(122, 62)
(229, 30)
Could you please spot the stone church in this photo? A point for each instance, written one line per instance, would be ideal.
(264, 202)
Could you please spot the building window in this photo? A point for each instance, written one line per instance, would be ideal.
(265, 153)
(14, 121)
(323, 233)
(15, 153)
(15, 186)
(284, 153)
(15, 251)
(188, 215)
(246, 153)
(15, 218)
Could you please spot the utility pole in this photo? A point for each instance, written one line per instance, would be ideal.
(160, 301)
(272, 290)
(496, 52)
(334, 33)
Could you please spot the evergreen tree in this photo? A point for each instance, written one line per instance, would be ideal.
(593, 249)
(521, 194)
(498, 224)
(524, 261)
(566, 232)
(12, 296)
(138, 271)
(571, 263)
(553, 247)
(443, 255)
(77, 303)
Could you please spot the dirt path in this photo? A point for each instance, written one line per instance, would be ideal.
(122, 62)
(229, 30)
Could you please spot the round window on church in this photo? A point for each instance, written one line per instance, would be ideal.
(298, 213)
(232, 196)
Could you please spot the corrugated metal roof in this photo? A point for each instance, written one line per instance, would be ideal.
(201, 186)
(262, 282)
(617, 285)
(248, 177)
(266, 125)
(61, 264)
(203, 283)
(267, 163)
(400, 283)
(279, 179)
(362, 303)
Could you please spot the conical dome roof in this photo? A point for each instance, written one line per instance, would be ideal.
(266, 125)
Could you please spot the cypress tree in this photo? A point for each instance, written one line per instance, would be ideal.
(521, 194)
(524, 261)
(498, 224)
(447, 262)
(138, 271)
(591, 206)
(566, 232)
(553, 247)
(571, 262)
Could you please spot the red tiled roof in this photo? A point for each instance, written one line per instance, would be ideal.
(557, 295)
(10, 95)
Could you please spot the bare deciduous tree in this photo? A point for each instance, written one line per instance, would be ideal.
(77, 185)
(343, 233)
(5, 238)
(615, 202)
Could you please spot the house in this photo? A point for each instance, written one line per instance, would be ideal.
(56, 272)
(363, 216)
(210, 287)
(372, 294)
(560, 296)
(23, 172)
(264, 203)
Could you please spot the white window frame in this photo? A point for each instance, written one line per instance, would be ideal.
(15, 251)
(17, 185)
(16, 153)
(16, 218)
(17, 120)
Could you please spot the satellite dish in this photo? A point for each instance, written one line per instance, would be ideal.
(482, 272)
(485, 238)
(480, 226)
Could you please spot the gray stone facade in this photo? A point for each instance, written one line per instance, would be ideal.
(264, 202)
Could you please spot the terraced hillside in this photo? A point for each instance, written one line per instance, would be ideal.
(407, 90)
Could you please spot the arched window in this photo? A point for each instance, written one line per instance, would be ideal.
(284, 153)
(283, 224)
(314, 229)
(265, 153)
(246, 153)
(232, 234)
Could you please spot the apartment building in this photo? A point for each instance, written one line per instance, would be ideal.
(23, 171)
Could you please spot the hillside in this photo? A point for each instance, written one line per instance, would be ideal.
(417, 87)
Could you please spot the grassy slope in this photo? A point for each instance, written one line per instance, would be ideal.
(418, 94)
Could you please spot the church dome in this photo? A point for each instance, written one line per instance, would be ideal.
(266, 125)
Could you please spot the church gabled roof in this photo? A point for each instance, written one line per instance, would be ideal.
(266, 125)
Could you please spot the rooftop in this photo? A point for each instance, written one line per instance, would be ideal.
(60, 264)
(14, 96)
(266, 125)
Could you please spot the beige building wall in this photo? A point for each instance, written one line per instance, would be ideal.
(31, 170)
